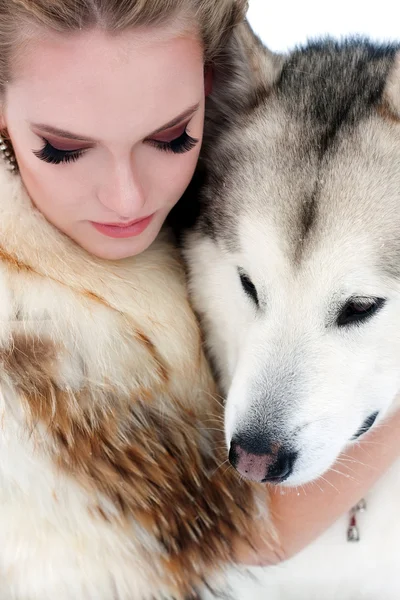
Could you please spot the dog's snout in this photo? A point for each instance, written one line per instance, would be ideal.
(258, 460)
(252, 466)
(282, 468)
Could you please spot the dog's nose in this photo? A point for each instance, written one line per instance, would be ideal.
(261, 462)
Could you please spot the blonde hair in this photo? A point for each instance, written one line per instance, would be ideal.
(214, 19)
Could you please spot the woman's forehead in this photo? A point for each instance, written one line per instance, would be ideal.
(93, 80)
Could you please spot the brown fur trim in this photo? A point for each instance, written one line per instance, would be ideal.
(144, 339)
(13, 261)
(162, 369)
(96, 298)
(160, 469)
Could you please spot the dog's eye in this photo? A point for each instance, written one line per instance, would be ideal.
(357, 310)
(248, 286)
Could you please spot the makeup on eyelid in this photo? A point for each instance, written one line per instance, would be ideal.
(57, 150)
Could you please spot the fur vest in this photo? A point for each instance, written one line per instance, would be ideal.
(111, 433)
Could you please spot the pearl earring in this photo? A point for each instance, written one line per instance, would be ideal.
(8, 154)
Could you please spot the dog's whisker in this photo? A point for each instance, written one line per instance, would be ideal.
(215, 429)
(219, 467)
(354, 461)
(218, 399)
(328, 482)
(346, 475)
(346, 466)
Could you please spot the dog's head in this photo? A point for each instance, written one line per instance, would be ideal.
(295, 258)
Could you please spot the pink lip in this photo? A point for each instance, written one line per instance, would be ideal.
(122, 230)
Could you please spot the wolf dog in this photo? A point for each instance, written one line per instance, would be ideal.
(293, 255)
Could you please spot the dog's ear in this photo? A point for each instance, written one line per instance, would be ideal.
(244, 71)
(241, 76)
(391, 94)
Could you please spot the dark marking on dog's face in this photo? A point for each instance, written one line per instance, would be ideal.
(330, 85)
(324, 91)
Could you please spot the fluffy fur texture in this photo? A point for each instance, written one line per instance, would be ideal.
(293, 256)
(111, 437)
(297, 230)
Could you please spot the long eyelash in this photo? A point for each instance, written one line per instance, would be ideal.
(55, 156)
(181, 144)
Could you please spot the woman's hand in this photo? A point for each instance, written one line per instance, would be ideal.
(299, 515)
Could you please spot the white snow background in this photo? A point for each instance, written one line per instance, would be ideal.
(284, 23)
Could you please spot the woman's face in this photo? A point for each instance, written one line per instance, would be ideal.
(107, 131)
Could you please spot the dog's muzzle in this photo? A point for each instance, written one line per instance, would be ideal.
(261, 461)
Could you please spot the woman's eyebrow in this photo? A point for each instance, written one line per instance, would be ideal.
(61, 133)
(184, 115)
(49, 129)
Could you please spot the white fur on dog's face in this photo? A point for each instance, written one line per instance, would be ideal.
(289, 371)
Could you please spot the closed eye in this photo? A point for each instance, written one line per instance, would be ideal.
(55, 156)
(358, 310)
(248, 286)
(178, 145)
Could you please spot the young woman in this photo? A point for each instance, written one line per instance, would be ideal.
(111, 442)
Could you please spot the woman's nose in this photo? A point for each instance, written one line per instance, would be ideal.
(123, 193)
